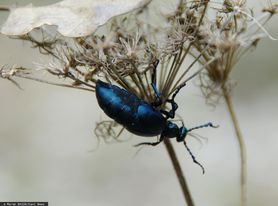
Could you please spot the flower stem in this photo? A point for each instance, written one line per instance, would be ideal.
(243, 156)
(179, 173)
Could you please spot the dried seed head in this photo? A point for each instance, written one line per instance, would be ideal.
(234, 31)
(215, 35)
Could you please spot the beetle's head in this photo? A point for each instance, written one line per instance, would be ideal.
(173, 131)
(182, 134)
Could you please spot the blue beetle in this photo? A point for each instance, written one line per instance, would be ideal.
(140, 117)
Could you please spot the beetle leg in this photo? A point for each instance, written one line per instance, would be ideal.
(158, 100)
(150, 143)
(171, 114)
(157, 94)
(154, 71)
(177, 91)
(147, 143)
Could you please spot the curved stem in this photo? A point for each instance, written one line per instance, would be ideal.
(243, 156)
(179, 173)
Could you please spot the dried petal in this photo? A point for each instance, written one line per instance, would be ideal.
(73, 18)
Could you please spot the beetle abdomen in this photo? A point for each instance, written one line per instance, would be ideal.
(134, 114)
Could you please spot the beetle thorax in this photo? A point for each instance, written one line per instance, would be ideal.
(173, 131)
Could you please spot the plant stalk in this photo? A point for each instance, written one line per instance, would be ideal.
(243, 156)
(179, 173)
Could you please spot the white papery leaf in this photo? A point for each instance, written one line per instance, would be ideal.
(73, 18)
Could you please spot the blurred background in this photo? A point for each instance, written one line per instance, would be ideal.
(46, 141)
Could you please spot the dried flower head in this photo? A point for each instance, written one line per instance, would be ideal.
(231, 34)
(216, 35)
(132, 53)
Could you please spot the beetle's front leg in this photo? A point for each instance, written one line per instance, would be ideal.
(172, 112)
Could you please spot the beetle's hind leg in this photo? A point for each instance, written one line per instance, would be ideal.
(158, 100)
(154, 71)
(147, 143)
(150, 143)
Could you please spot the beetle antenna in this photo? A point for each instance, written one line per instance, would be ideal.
(203, 125)
(193, 157)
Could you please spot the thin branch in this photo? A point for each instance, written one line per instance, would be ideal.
(243, 156)
(179, 173)
(54, 83)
